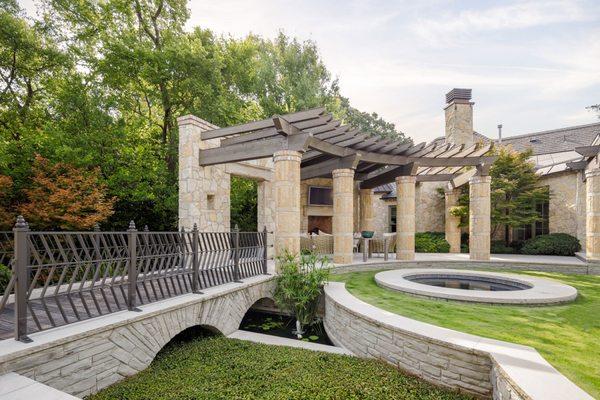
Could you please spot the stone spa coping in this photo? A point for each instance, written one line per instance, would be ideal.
(532, 290)
(523, 366)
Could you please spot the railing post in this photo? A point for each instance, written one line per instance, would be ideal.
(20, 265)
(385, 249)
(236, 254)
(132, 267)
(195, 261)
(265, 251)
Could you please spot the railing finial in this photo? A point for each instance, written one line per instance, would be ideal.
(21, 223)
(195, 226)
(236, 227)
(131, 226)
(96, 227)
(146, 228)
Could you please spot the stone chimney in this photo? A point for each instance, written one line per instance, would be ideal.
(459, 117)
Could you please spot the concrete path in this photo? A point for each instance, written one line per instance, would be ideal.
(279, 341)
(501, 258)
(17, 387)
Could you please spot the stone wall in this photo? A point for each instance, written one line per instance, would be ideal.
(429, 209)
(564, 210)
(203, 191)
(483, 367)
(83, 358)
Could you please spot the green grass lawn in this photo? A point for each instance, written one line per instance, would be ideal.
(221, 368)
(567, 336)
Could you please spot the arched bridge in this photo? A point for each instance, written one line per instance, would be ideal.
(84, 357)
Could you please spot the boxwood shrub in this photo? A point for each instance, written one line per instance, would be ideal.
(555, 244)
(498, 247)
(431, 242)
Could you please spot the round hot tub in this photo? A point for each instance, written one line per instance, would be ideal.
(476, 286)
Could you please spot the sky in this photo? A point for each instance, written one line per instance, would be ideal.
(532, 65)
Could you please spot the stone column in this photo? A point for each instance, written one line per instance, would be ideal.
(479, 218)
(343, 215)
(367, 215)
(203, 191)
(592, 213)
(286, 186)
(451, 221)
(405, 217)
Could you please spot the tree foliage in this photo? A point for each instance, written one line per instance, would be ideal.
(100, 85)
(64, 197)
(515, 191)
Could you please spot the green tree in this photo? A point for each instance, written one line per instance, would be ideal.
(595, 108)
(244, 204)
(515, 191)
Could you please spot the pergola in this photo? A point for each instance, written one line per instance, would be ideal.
(311, 144)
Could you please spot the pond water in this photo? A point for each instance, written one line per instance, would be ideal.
(467, 282)
(282, 326)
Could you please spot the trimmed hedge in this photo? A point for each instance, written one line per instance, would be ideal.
(431, 242)
(220, 368)
(498, 247)
(554, 244)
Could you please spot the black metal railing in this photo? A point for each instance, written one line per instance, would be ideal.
(64, 277)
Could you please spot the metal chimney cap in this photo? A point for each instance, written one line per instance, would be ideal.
(458, 94)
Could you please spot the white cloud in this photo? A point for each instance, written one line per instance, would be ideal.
(518, 15)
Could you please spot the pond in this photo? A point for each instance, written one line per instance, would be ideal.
(282, 326)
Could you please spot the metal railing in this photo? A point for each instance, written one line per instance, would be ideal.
(65, 277)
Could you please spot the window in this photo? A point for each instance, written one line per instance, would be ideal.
(392, 218)
(210, 201)
(320, 196)
(541, 227)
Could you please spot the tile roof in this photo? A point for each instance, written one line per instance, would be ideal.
(554, 141)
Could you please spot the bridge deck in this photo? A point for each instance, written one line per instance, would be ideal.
(64, 309)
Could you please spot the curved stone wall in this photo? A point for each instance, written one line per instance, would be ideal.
(85, 357)
(484, 367)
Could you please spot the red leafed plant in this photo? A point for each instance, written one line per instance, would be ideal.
(62, 196)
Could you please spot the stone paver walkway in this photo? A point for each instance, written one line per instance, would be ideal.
(17, 387)
(279, 341)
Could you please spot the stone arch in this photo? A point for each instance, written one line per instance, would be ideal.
(136, 344)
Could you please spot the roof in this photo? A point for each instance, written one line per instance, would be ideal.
(556, 140)
(552, 149)
(327, 145)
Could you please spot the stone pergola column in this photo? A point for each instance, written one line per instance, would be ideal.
(405, 217)
(592, 215)
(343, 215)
(367, 215)
(479, 218)
(286, 186)
(451, 221)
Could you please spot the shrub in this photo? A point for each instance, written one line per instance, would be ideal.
(299, 285)
(556, 244)
(498, 247)
(5, 274)
(431, 242)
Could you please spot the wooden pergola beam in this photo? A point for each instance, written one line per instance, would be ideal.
(253, 150)
(325, 168)
(262, 124)
(387, 175)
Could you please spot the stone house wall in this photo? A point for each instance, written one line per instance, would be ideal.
(429, 209)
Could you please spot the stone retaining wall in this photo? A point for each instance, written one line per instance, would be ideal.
(85, 357)
(484, 367)
(587, 269)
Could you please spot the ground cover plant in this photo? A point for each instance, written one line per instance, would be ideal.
(565, 335)
(220, 368)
